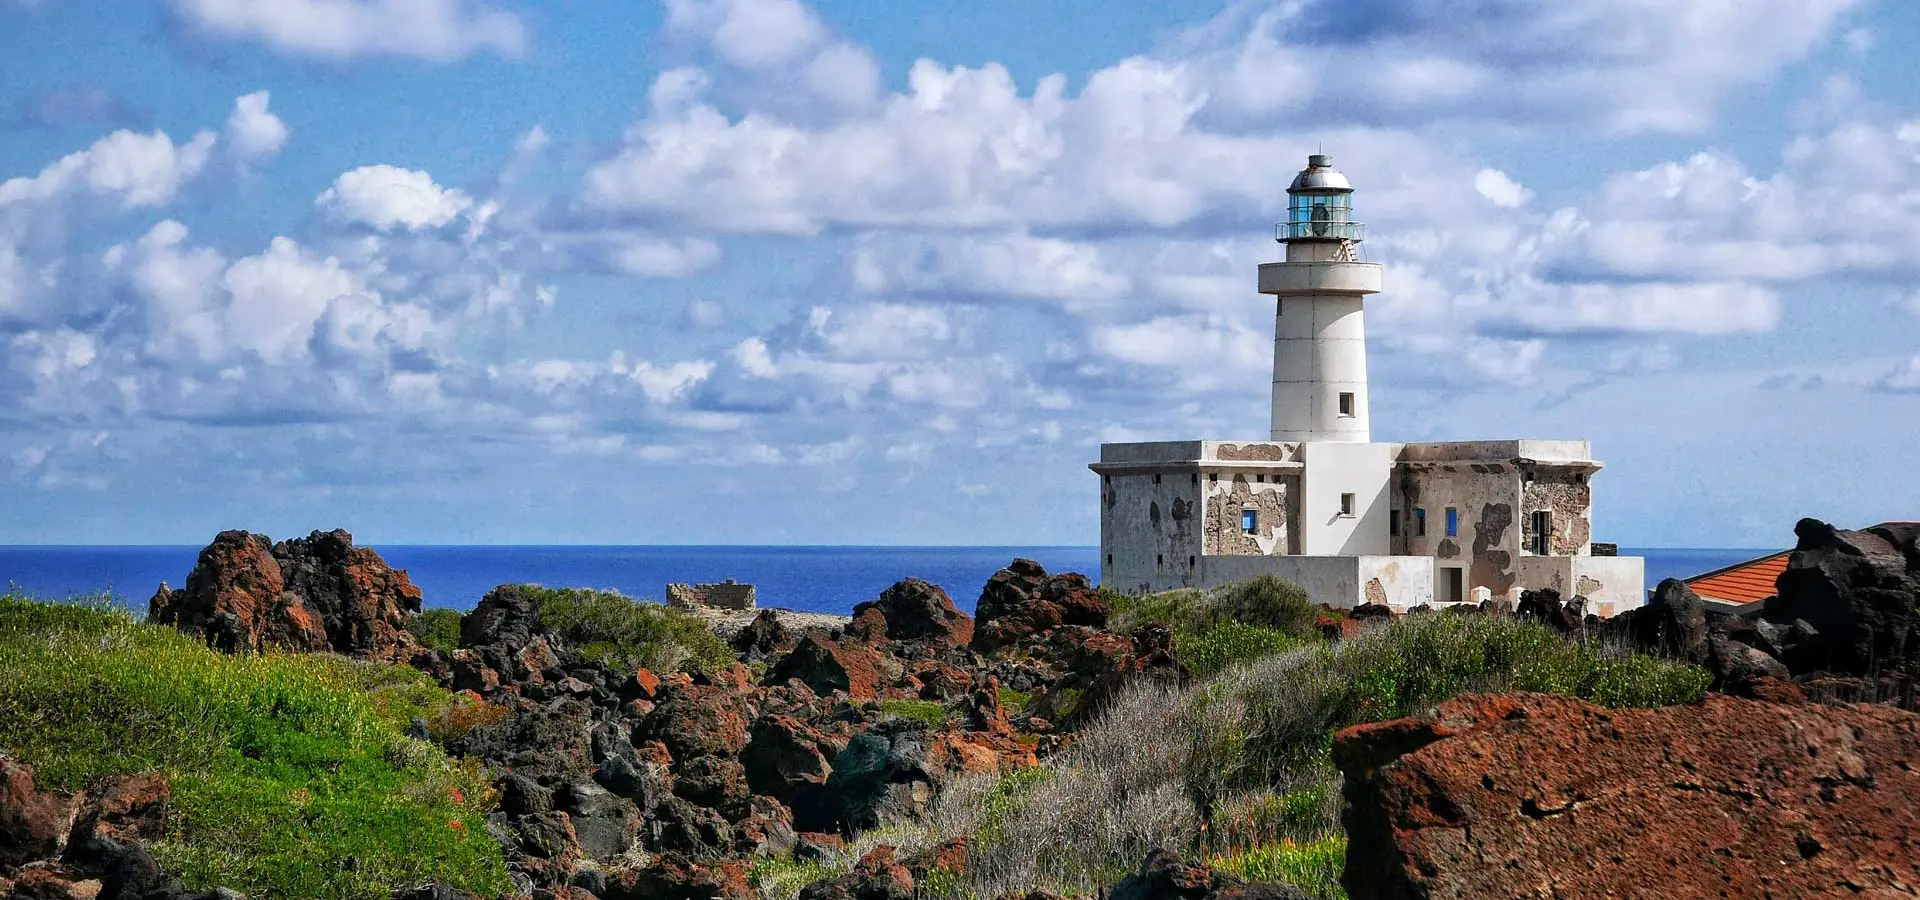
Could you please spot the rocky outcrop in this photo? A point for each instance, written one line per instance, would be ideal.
(1854, 593)
(315, 593)
(918, 611)
(55, 845)
(827, 665)
(1022, 600)
(1534, 795)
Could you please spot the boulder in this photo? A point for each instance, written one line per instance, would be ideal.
(1856, 593)
(762, 637)
(677, 825)
(1022, 599)
(881, 771)
(1731, 797)
(1166, 876)
(877, 876)
(696, 720)
(783, 755)
(827, 665)
(1673, 624)
(676, 877)
(507, 617)
(319, 592)
(33, 823)
(916, 610)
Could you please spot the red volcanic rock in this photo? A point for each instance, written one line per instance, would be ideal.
(696, 720)
(948, 856)
(1022, 599)
(33, 823)
(939, 681)
(783, 754)
(131, 810)
(675, 877)
(877, 876)
(1535, 795)
(868, 625)
(916, 610)
(827, 666)
(307, 594)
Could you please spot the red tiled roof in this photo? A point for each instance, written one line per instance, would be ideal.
(1744, 582)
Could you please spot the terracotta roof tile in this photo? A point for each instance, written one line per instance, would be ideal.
(1744, 582)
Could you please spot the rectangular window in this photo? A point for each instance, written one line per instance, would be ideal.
(1393, 524)
(1346, 504)
(1250, 521)
(1453, 522)
(1346, 403)
(1419, 523)
(1456, 587)
(1542, 532)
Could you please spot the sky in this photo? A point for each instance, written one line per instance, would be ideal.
(845, 272)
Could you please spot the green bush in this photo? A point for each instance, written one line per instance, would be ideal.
(782, 878)
(1313, 867)
(281, 767)
(619, 630)
(1229, 643)
(437, 629)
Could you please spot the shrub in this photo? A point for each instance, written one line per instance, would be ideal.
(782, 879)
(1229, 643)
(1313, 867)
(619, 630)
(281, 766)
(1248, 751)
(437, 629)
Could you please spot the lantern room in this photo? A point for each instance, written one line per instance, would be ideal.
(1320, 205)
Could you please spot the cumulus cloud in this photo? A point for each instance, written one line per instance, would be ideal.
(1500, 190)
(433, 30)
(751, 33)
(253, 132)
(133, 170)
(386, 198)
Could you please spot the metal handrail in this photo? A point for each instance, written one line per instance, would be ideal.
(1321, 230)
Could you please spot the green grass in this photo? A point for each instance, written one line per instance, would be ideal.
(626, 632)
(291, 775)
(1233, 623)
(1313, 867)
(437, 629)
(934, 714)
(1013, 702)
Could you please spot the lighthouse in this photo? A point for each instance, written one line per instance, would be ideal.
(1319, 329)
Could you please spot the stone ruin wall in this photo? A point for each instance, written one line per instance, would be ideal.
(727, 595)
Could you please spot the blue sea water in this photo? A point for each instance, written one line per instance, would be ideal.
(815, 579)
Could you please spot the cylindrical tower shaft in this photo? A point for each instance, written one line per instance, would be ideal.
(1319, 333)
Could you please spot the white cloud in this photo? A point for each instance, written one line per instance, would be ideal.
(279, 295)
(702, 314)
(435, 30)
(136, 170)
(1707, 309)
(386, 197)
(1500, 190)
(254, 132)
(1009, 265)
(750, 33)
(1904, 379)
(647, 256)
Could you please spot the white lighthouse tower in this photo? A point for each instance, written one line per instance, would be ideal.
(1319, 333)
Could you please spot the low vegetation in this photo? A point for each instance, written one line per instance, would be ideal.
(280, 766)
(1237, 767)
(620, 630)
(1234, 623)
(436, 629)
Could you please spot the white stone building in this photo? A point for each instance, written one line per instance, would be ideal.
(1319, 503)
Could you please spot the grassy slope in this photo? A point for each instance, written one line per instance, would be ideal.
(282, 767)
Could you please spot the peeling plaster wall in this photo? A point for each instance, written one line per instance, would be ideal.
(1229, 494)
(1150, 531)
(1486, 542)
(727, 594)
(1611, 584)
(1568, 494)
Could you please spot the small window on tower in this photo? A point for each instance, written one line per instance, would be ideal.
(1346, 504)
(1346, 403)
(1250, 521)
(1419, 523)
(1453, 522)
(1393, 524)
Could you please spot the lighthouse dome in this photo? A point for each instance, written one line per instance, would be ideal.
(1319, 175)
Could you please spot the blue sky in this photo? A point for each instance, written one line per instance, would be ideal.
(759, 271)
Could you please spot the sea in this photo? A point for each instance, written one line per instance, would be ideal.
(812, 579)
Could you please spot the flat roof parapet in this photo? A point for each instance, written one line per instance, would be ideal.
(1544, 451)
